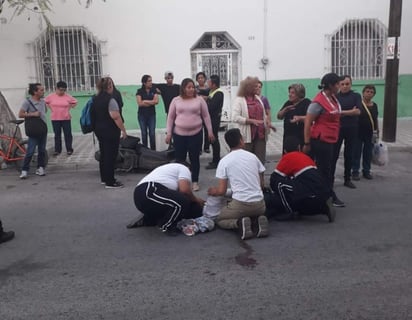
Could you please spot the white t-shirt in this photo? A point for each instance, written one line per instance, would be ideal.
(168, 175)
(241, 168)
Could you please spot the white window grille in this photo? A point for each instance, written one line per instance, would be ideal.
(216, 53)
(357, 48)
(70, 54)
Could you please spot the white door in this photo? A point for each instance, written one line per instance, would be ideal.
(219, 64)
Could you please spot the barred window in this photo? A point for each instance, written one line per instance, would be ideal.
(358, 49)
(70, 54)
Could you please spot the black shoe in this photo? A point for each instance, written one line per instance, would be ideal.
(69, 153)
(115, 185)
(6, 236)
(338, 203)
(263, 227)
(349, 184)
(355, 176)
(330, 210)
(211, 165)
(172, 231)
(367, 176)
(136, 223)
(55, 153)
(245, 228)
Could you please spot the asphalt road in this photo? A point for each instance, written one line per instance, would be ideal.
(73, 258)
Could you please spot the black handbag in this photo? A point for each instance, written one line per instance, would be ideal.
(35, 127)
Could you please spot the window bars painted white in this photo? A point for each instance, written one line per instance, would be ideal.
(357, 48)
(71, 54)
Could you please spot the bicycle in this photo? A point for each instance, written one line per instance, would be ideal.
(13, 149)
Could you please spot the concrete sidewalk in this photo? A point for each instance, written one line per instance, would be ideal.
(85, 147)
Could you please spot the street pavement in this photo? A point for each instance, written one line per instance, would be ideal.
(73, 257)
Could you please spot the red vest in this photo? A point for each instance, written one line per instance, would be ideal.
(326, 126)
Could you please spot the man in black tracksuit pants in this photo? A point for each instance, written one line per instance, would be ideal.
(165, 197)
(351, 104)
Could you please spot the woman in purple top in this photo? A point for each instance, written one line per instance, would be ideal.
(186, 114)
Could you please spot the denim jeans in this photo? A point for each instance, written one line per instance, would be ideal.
(349, 135)
(147, 122)
(58, 125)
(363, 148)
(189, 144)
(31, 147)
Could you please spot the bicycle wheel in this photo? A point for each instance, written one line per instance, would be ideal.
(19, 153)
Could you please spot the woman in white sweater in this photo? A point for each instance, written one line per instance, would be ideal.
(249, 113)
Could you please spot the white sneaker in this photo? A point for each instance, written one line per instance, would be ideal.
(195, 186)
(40, 171)
(23, 174)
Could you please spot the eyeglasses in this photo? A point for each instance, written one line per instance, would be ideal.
(62, 89)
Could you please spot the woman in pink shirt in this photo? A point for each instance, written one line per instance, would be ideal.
(187, 112)
(60, 104)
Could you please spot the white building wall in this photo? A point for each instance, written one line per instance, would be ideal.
(153, 36)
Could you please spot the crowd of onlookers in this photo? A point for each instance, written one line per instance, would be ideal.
(314, 131)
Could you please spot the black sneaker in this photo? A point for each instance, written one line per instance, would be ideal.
(211, 165)
(330, 210)
(338, 203)
(115, 185)
(355, 176)
(349, 184)
(136, 222)
(367, 176)
(172, 231)
(263, 227)
(6, 236)
(245, 228)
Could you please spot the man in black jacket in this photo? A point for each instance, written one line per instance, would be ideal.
(215, 105)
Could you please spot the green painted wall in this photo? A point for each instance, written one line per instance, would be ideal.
(276, 91)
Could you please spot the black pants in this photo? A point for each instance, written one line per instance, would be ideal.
(109, 148)
(216, 143)
(306, 194)
(162, 206)
(349, 135)
(322, 154)
(58, 125)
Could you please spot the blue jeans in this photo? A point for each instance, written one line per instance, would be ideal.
(363, 148)
(58, 125)
(148, 123)
(189, 144)
(31, 147)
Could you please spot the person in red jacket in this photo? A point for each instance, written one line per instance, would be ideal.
(298, 186)
(321, 129)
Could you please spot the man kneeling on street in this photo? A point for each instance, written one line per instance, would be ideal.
(165, 197)
(244, 172)
(298, 187)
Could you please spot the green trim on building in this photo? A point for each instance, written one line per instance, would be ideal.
(275, 91)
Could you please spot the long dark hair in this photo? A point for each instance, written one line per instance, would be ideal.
(185, 82)
(145, 78)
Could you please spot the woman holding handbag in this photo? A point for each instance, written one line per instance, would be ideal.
(367, 134)
(33, 111)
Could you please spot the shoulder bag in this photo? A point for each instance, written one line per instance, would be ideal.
(35, 127)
